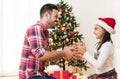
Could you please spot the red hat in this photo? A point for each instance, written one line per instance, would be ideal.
(107, 23)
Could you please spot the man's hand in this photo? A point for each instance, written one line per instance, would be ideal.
(81, 48)
(70, 53)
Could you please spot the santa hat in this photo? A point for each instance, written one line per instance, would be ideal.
(107, 23)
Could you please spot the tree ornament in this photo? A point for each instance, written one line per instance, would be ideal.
(74, 42)
(51, 43)
(59, 43)
(67, 40)
(65, 33)
(63, 28)
(73, 34)
(66, 10)
(59, 14)
(55, 36)
(75, 30)
(56, 28)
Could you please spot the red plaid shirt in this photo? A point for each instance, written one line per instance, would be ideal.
(35, 44)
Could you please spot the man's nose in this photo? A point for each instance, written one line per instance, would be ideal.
(57, 19)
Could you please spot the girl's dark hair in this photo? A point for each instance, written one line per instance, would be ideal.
(106, 38)
(47, 8)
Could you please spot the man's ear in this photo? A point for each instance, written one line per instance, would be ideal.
(48, 17)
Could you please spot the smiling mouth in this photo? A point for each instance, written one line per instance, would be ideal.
(55, 22)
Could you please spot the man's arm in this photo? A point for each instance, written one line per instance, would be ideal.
(48, 56)
(68, 55)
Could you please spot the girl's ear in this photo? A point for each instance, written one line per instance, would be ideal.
(104, 31)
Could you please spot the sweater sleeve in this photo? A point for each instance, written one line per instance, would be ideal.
(35, 41)
(104, 54)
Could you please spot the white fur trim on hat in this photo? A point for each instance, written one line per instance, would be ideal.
(105, 26)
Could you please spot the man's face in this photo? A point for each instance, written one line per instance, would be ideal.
(53, 18)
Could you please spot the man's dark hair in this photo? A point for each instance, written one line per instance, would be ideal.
(47, 8)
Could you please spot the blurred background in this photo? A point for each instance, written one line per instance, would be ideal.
(17, 15)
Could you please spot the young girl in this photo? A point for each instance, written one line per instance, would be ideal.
(104, 52)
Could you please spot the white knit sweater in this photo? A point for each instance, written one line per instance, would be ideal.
(105, 60)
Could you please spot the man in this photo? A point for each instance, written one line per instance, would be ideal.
(35, 49)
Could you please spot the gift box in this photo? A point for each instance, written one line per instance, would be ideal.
(62, 74)
(74, 77)
(77, 70)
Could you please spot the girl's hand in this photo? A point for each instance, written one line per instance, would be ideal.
(81, 48)
(71, 53)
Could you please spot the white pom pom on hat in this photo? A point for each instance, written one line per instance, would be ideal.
(107, 23)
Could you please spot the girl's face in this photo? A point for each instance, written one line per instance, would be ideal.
(99, 32)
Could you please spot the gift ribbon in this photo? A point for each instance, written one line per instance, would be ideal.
(61, 75)
(76, 70)
(74, 77)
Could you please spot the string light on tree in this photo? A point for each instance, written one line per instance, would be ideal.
(65, 32)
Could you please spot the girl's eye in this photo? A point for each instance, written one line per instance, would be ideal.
(96, 28)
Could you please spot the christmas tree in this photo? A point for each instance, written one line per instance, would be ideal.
(65, 33)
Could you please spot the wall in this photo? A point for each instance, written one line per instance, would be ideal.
(15, 21)
(17, 16)
(116, 37)
(87, 11)
(26, 13)
(1, 10)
